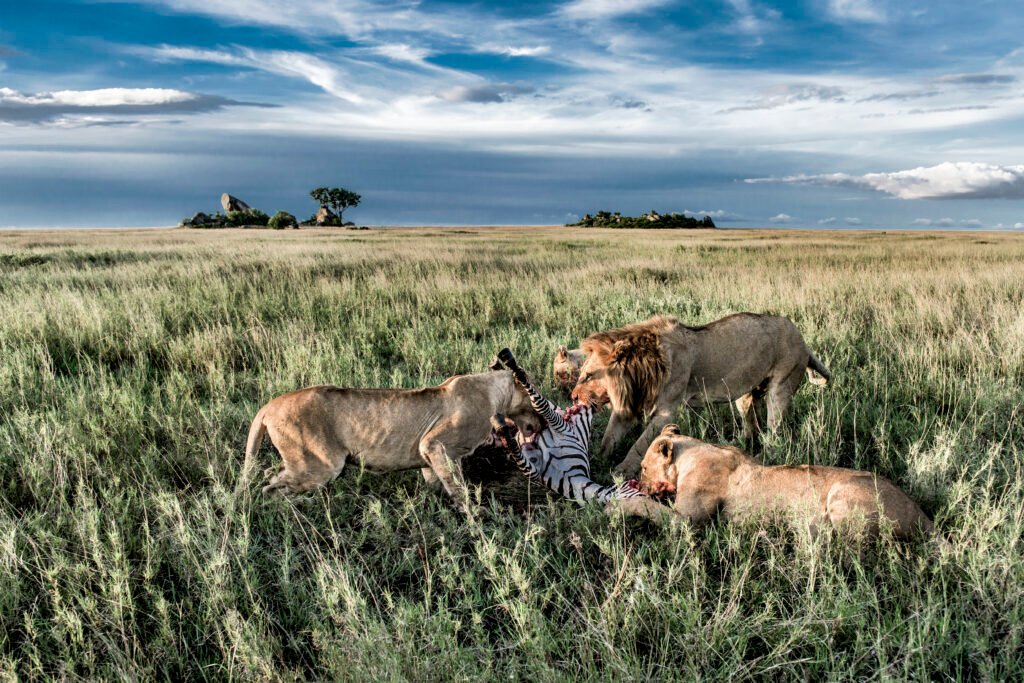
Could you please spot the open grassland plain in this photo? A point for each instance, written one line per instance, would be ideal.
(131, 364)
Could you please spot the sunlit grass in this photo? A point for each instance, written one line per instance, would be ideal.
(132, 362)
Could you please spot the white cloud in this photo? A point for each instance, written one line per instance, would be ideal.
(831, 220)
(856, 10)
(717, 214)
(950, 180)
(105, 97)
(600, 9)
(781, 218)
(852, 220)
(514, 50)
(922, 221)
(401, 52)
(971, 223)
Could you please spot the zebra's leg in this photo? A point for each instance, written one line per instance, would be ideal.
(545, 408)
(641, 506)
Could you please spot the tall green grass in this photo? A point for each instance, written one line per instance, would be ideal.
(132, 362)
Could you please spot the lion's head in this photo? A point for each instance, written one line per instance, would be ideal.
(624, 367)
(658, 473)
(566, 367)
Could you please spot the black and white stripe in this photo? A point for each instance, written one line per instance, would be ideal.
(558, 458)
(545, 408)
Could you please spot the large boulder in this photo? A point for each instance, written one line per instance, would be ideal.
(229, 203)
(325, 217)
(197, 221)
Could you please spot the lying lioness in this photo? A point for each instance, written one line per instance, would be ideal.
(710, 479)
(318, 428)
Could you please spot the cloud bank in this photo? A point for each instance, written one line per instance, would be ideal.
(92, 107)
(950, 180)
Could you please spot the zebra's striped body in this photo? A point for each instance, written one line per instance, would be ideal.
(558, 457)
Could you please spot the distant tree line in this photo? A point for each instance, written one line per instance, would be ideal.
(652, 220)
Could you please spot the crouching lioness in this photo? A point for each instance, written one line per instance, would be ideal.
(708, 480)
(317, 429)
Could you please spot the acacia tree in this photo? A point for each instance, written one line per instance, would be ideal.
(337, 198)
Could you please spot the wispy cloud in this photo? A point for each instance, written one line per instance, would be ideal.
(978, 79)
(961, 180)
(602, 9)
(856, 10)
(782, 218)
(753, 21)
(325, 75)
(782, 95)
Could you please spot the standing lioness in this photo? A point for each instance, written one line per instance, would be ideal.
(651, 368)
(708, 480)
(317, 429)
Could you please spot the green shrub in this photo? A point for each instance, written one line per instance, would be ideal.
(237, 219)
(282, 220)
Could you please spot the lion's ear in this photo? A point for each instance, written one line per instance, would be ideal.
(563, 352)
(621, 351)
(496, 364)
(671, 430)
(666, 449)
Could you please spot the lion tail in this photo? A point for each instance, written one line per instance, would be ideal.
(257, 430)
(817, 373)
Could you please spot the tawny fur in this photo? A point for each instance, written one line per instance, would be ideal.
(707, 480)
(649, 369)
(566, 367)
(317, 429)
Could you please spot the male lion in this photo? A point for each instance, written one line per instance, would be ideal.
(318, 428)
(710, 479)
(649, 369)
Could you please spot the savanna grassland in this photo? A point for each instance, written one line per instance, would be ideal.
(132, 362)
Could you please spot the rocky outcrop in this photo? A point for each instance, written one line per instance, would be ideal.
(229, 203)
(325, 217)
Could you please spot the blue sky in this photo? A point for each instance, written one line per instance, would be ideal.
(811, 113)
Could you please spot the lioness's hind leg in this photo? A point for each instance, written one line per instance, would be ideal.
(852, 509)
